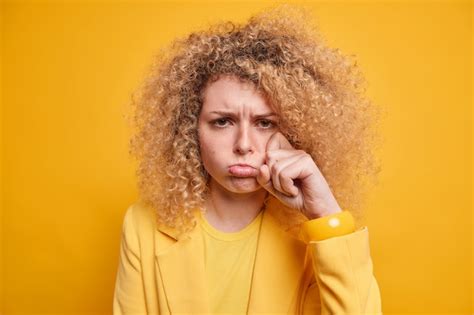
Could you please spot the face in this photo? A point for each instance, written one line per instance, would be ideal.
(235, 125)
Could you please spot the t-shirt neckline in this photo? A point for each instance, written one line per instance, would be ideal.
(230, 236)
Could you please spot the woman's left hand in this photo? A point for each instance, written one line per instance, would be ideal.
(292, 176)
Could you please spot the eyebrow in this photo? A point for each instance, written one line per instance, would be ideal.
(231, 114)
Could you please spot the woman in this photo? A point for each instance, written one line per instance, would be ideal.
(235, 127)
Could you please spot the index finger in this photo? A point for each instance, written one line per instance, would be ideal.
(278, 141)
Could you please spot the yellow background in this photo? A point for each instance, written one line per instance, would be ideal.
(68, 69)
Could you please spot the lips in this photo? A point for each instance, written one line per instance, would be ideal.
(243, 170)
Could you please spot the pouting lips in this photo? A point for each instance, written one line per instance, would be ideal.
(243, 171)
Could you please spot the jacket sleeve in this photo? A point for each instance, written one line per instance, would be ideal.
(343, 277)
(129, 296)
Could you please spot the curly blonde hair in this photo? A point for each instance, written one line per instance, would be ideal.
(317, 91)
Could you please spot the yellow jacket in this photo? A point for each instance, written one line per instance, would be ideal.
(161, 274)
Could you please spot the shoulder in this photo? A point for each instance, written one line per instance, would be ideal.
(141, 221)
(138, 214)
(138, 222)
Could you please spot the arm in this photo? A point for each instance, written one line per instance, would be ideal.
(129, 297)
(344, 282)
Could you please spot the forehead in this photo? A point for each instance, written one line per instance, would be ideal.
(230, 93)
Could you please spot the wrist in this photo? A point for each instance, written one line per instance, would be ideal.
(316, 214)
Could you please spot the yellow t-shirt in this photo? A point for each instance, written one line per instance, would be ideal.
(229, 261)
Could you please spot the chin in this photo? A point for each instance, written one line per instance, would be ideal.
(243, 185)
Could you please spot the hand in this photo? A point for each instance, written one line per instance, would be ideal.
(292, 176)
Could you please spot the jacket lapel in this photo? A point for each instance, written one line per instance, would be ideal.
(278, 269)
(180, 263)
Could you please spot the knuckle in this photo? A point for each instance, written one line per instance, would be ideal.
(275, 168)
(305, 155)
(284, 179)
(270, 154)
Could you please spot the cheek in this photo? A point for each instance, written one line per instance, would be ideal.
(212, 143)
(211, 161)
(209, 150)
(206, 152)
(262, 142)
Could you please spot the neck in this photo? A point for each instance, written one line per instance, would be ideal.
(231, 212)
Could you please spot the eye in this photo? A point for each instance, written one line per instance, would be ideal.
(266, 123)
(221, 122)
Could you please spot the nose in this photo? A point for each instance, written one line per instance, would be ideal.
(243, 142)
